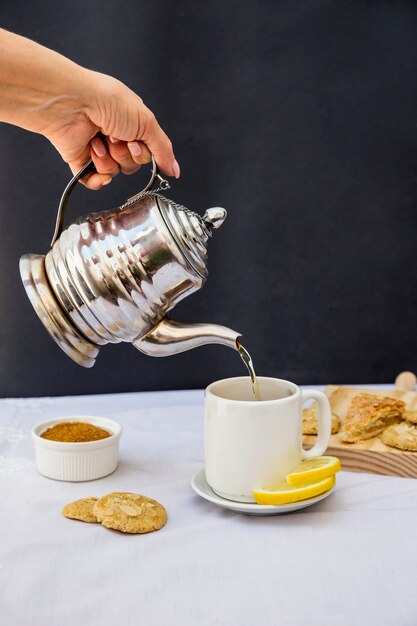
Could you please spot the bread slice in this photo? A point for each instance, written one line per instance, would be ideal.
(368, 415)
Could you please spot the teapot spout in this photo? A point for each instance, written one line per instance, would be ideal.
(170, 337)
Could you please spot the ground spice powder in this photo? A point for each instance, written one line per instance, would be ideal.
(75, 432)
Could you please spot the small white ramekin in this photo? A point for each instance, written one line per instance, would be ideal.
(77, 461)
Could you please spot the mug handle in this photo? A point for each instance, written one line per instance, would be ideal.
(324, 423)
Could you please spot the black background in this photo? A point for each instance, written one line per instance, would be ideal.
(299, 118)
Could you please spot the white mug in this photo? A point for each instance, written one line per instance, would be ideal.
(251, 444)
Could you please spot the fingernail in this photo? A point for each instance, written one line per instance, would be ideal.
(113, 140)
(98, 147)
(134, 148)
(107, 181)
(176, 169)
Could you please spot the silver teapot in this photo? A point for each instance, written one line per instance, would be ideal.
(113, 276)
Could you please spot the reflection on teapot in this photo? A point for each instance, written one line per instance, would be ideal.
(113, 276)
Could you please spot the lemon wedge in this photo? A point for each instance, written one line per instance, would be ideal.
(313, 470)
(283, 493)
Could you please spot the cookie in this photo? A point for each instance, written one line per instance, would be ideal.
(411, 416)
(310, 422)
(130, 512)
(402, 436)
(81, 509)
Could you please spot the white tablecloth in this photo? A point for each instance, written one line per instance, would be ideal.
(349, 560)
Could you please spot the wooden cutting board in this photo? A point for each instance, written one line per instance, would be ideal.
(370, 455)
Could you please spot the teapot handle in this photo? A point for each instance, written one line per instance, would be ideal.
(89, 167)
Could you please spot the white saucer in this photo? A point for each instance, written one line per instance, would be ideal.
(202, 488)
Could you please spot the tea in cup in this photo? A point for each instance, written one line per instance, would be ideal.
(252, 444)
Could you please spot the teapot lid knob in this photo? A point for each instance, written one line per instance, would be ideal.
(214, 217)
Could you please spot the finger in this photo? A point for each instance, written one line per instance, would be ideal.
(159, 145)
(96, 181)
(140, 153)
(146, 155)
(93, 180)
(131, 171)
(102, 159)
(120, 153)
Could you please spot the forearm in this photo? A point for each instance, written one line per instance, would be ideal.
(34, 80)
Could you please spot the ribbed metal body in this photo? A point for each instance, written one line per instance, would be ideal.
(117, 273)
(113, 276)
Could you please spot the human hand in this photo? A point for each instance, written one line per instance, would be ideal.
(131, 132)
(46, 93)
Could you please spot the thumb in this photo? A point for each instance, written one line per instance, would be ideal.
(159, 145)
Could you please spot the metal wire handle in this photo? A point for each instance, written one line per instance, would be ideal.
(90, 167)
